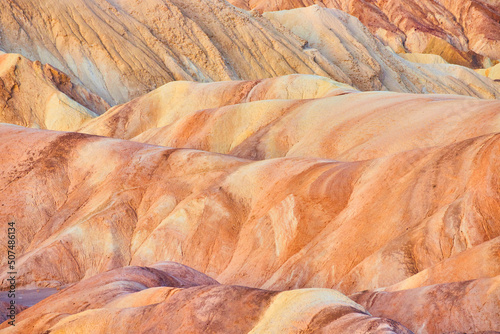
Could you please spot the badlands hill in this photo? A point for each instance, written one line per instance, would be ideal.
(39, 96)
(296, 116)
(91, 204)
(136, 300)
(122, 49)
(465, 32)
(190, 166)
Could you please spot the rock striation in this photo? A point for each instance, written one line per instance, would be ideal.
(277, 224)
(311, 117)
(122, 49)
(464, 32)
(137, 300)
(184, 177)
(36, 95)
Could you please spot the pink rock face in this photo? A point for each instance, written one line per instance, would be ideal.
(412, 202)
(469, 307)
(171, 298)
(463, 32)
(140, 204)
(260, 167)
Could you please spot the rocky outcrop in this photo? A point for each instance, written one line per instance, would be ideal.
(123, 49)
(464, 32)
(343, 40)
(36, 95)
(161, 300)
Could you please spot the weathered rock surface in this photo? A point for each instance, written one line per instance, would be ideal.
(311, 117)
(159, 300)
(463, 32)
(122, 49)
(91, 204)
(36, 95)
(278, 182)
(424, 58)
(343, 40)
(460, 307)
(477, 262)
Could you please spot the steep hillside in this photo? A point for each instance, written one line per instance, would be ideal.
(371, 66)
(464, 32)
(36, 95)
(288, 166)
(91, 204)
(122, 49)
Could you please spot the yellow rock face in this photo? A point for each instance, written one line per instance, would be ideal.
(39, 96)
(312, 117)
(491, 72)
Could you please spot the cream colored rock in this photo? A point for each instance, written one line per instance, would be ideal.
(176, 100)
(491, 72)
(464, 32)
(122, 49)
(311, 117)
(423, 58)
(36, 95)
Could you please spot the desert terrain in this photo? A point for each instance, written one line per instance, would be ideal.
(286, 166)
